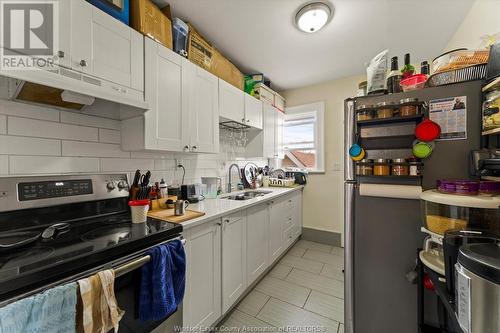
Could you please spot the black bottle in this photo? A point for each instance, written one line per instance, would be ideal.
(394, 77)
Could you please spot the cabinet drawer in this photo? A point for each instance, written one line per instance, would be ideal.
(289, 237)
(233, 217)
(288, 221)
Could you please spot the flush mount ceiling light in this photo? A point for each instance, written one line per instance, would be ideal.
(313, 16)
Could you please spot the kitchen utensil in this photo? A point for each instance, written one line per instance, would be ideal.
(422, 149)
(180, 207)
(137, 177)
(360, 157)
(427, 131)
(168, 215)
(355, 150)
(139, 210)
(249, 172)
(146, 178)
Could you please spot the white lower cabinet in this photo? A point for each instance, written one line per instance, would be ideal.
(234, 252)
(202, 301)
(276, 247)
(257, 241)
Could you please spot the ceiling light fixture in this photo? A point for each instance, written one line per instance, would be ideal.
(313, 16)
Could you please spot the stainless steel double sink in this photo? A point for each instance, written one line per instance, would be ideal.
(246, 195)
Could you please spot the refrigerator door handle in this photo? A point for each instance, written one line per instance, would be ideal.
(349, 193)
(349, 138)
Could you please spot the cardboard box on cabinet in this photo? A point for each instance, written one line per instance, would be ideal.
(227, 71)
(149, 20)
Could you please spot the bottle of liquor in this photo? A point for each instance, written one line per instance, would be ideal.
(394, 77)
(408, 69)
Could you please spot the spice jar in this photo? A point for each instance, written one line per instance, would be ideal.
(409, 107)
(414, 166)
(381, 167)
(385, 110)
(364, 112)
(364, 168)
(399, 167)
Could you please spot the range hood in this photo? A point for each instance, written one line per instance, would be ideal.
(65, 88)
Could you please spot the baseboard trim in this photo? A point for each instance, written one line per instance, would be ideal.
(322, 236)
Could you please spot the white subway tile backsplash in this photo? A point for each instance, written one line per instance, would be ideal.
(203, 164)
(21, 145)
(109, 136)
(4, 165)
(92, 149)
(125, 164)
(86, 120)
(10, 108)
(165, 165)
(22, 165)
(155, 155)
(3, 124)
(47, 129)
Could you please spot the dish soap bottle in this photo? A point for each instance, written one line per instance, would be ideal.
(394, 77)
(408, 69)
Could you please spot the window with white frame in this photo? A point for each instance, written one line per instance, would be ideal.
(304, 137)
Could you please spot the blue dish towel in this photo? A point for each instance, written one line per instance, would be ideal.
(163, 281)
(53, 311)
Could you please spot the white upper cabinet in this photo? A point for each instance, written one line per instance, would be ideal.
(233, 259)
(201, 95)
(257, 241)
(253, 112)
(279, 133)
(269, 131)
(231, 102)
(105, 47)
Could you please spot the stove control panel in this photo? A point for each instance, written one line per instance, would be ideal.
(53, 189)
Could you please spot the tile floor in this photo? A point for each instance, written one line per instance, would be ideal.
(304, 291)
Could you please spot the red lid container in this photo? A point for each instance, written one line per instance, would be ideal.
(427, 131)
(144, 202)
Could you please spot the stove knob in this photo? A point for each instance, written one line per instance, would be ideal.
(122, 184)
(110, 186)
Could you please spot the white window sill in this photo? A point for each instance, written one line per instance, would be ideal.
(316, 172)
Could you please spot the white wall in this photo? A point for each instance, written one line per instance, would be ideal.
(482, 19)
(38, 140)
(324, 194)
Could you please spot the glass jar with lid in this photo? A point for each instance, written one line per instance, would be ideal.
(382, 167)
(364, 112)
(385, 110)
(399, 167)
(408, 107)
(364, 167)
(415, 167)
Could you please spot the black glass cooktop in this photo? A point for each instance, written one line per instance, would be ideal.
(74, 247)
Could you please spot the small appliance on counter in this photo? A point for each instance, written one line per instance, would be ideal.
(213, 187)
(300, 175)
(191, 193)
(478, 288)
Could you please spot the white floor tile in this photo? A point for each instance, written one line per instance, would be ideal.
(314, 246)
(238, 319)
(333, 272)
(253, 303)
(281, 314)
(339, 251)
(326, 305)
(323, 257)
(297, 251)
(316, 282)
(304, 264)
(280, 271)
(341, 328)
(285, 291)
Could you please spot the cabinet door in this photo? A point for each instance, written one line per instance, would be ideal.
(275, 231)
(202, 301)
(233, 259)
(253, 112)
(165, 128)
(257, 241)
(105, 47)
(269, 131)
(231, 102)
(279, 151)
(201, 95)
(297, 213)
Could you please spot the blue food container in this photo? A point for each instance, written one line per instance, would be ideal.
(119, 9)
(180, 32)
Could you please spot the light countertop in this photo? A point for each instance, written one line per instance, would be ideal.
(216, 208)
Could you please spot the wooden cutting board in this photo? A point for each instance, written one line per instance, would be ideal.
(168, 215)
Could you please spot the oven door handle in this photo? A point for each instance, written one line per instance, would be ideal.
(135, 264)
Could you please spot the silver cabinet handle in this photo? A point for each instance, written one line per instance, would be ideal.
(194, 148)
(186, 147)
(248, 120)
(242, 120)
(60, 54)
(219, 223)
(227, 221)
(83, 63)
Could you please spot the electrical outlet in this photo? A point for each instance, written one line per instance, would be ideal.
(178, 162)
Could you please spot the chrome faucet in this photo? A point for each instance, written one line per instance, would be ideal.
(229, 184)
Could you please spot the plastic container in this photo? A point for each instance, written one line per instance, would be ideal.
(414, 82)
(382, 167)
(364, 112)
(139, 210)
(422, 149)
(180, 32)
(385, 110)
(489, 187)
(441, 212)
(427, 131)
(408, 107)
(491, 110)
(459, 58)
(458, 186)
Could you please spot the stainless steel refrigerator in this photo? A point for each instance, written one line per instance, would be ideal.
(382, 235)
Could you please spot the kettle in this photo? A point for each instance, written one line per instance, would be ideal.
(300, 178)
